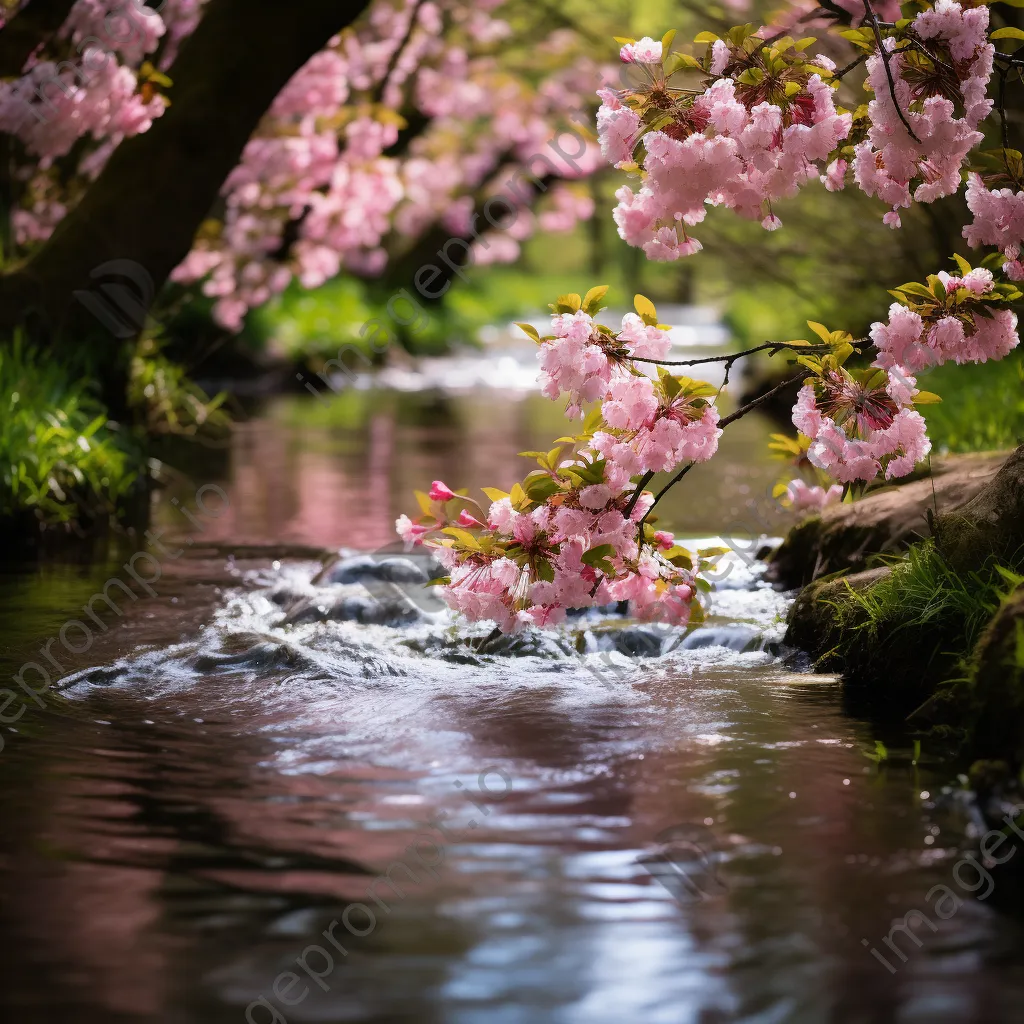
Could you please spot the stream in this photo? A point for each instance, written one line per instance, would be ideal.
(272, 792)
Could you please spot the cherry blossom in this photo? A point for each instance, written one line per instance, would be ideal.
(890, 163)
(727, 146)
(958, 318)
(803, 497)
(862, 425)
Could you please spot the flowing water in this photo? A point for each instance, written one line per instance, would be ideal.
(219, 815)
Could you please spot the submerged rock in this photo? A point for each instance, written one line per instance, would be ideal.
(386, 567)
(736, 637)
(259, 656)
(354, 604)
(888, 521)
(636, 641)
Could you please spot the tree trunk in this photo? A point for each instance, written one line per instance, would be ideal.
(150, 199)
(27, 29)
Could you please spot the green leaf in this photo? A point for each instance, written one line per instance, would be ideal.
(926, 398)
(843, 352)
(965, 267)
(593, 420)
(1010, 577)
(539, 486)
(545, 570)
(494, 493)
(592, 300)
(464, 537)
(424, 502)
(645, 307)
(677, 61)
(705, 37)
(821, 331)
(666, 42)
(1007, 33)
(671, 386)
(530, 331)
(571, 303)
(914, 288)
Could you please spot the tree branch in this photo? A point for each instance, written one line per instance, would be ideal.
(722, 424)
(886, 57)
(773, 347)
(157, 188)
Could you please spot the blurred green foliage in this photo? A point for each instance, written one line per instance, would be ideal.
(982, 405)
(60, 459)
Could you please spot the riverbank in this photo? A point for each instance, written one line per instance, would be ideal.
(913, 596)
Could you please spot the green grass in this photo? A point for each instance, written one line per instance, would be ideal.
(924, 598)
(59, 459)
(982, 405)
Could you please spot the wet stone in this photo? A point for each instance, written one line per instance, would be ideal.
(358, 568)
(263, 655)
(380, 610)
(735, 638)
(635, 642)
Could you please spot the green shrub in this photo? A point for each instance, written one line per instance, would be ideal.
(60, 459)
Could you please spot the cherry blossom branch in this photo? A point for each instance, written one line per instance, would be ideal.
(838, 75)
(1010, 60)
(1003, 73)
(731, 418)
(886, 56)
(644, 481)
(774, 347)
(382, 86)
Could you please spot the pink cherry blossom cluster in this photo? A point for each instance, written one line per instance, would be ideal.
(999, 221)
(863, 424)
(581, 360)
(890, 164)
(91, 87)
(334, 177)
(50, 110)
(528, 566)
(803, 497)
(962, 326)
(412, 116)
(726, 146)
(574, 534)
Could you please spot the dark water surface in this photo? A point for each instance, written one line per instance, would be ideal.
(211, 790)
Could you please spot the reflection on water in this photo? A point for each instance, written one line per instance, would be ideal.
(185, 822)
(337, 471)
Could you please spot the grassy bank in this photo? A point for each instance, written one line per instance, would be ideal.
(61, 460)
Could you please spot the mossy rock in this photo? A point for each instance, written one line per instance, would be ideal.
(887, 521)
(905, 661)
(892, 673)
(995, 690)
(988, 525)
